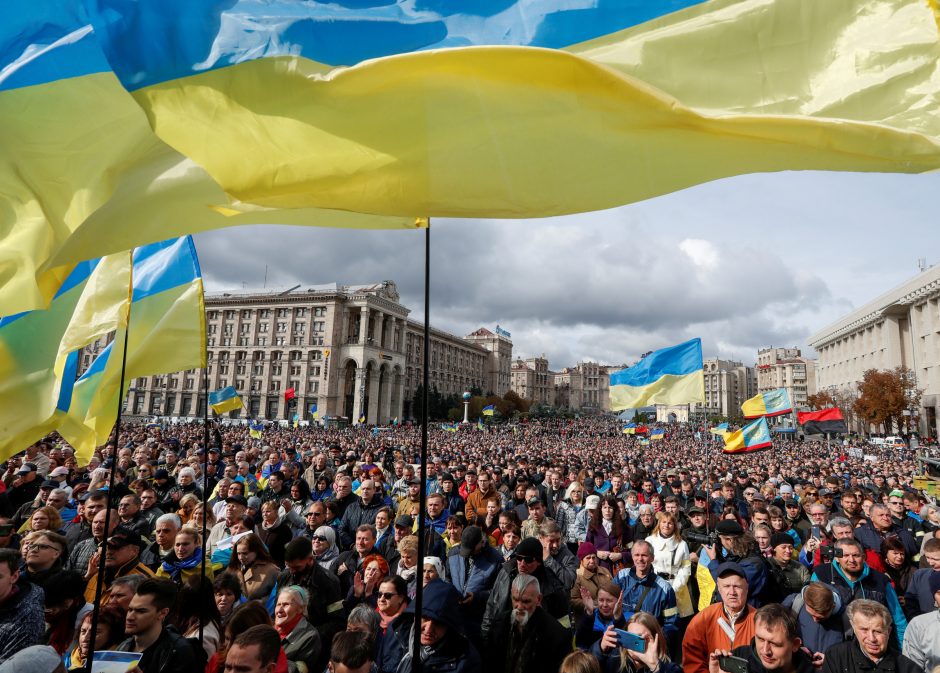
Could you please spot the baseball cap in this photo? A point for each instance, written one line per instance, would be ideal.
(534, 500)
(696, 510)
(529, 547)
(350, 455)
(823, 492)
(730, 568)
(49, 483)
(593, 502)
(161, 474)
(121, 537)
(237, 500)
(896, 493)
(469, 539)
(59, 472)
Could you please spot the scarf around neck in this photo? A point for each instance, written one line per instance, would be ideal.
(173, 566)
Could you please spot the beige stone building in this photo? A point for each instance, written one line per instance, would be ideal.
(786, 368)
(531, 380)
(350, 350)
(498, 367)
(899, 328)
(584, 387)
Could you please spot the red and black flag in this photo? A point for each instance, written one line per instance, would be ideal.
(822, 422)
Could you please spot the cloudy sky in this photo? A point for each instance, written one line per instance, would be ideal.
(742, 263)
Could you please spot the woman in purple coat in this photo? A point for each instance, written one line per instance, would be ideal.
(610, 536)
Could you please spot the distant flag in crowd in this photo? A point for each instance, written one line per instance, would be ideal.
(289, 394)
(362, 419)
(773, 403)
(752, 437)
(313, 411)
(719, 429)
(658, 433)
(255, 428)
(670, 375)
(644, 441)
(489, 410)
(629, 429)
(824, 421)
(296, 420)
(479, 424)
(225, 399)
(449, 427)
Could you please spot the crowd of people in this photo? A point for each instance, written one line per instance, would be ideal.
(550, 545)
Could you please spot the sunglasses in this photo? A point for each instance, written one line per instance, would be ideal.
(314, 513)
(386, 595)
(525, 559)
(319, 538)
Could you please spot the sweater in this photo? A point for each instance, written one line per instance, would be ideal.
(922, 640)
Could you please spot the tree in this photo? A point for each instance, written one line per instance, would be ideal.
(884, 396)
(821, 400)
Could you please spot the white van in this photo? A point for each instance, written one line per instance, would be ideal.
(894, 442)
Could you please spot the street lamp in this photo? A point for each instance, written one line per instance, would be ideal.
(466, 406)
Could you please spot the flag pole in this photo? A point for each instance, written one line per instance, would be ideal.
(205, 484)
(416, 663)
(103, 549)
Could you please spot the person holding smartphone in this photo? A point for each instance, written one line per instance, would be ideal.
(641, 648)
(777, 647)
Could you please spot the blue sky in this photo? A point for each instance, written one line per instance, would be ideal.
(745, 262)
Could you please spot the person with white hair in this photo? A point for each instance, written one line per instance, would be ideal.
(870, 650)
(573, 527)
(299, 640)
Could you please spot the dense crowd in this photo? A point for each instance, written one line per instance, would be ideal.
(550, 546)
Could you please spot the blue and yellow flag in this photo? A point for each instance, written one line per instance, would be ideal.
(313, 411)
(167, 333)
(629, 429)
(255, 428)
(668, 376)
(489, 410)
(225, 399)
(719, 429)
(657, 433)
(479, 424)
(633, 90)
(644, 441)
(362, 419)
(449, 427)
(296, 420)
(752, 437)
(772, 403)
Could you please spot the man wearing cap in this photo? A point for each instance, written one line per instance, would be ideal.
(235, 508)
(725, 625)
(123, 558)
(530, 527)
(526, 560)
(469, 484)
(60, 476)
(472, 567)
(777, 644)
(733, 546)
(410, 499)
(922, 638)
(786, 575)
(25, 486)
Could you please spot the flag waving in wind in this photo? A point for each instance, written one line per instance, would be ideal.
(226, 399)
(752, 437)
(668, 376)
(772, 403)
(824, 421)
(489, 410)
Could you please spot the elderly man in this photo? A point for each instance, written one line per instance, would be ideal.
(526, 639)
(123, 558)
(726, 625)
(922, 638)
(870, 650)
(235, 508)
(880, 527)
(557, 557)
(644, 590)
(854, 580)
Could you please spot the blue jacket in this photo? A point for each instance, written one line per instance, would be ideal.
(871, 584)
(872, 539)
(818, 636)
(918, 599)
(610, 661)
(659, 601)
(486, 566)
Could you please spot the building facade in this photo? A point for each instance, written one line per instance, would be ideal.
(584, 387)
(349, 350)
(786, 368)
(498, 367)
(531, 380)
(901, 328)
(727, 385)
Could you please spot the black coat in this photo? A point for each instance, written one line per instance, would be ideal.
(802, 663)
(555, 599)
(847, 657)
(543, 645)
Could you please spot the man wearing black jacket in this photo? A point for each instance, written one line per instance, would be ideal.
(164, 649)
(870, 650)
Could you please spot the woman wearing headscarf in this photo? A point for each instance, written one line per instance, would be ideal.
(325, 550)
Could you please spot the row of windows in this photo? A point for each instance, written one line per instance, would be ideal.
(300, 312)
(242, 341)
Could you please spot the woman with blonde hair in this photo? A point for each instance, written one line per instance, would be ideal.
(580, 662)
(44, 518)
(616, 659)
(187, 506)
(671, 562)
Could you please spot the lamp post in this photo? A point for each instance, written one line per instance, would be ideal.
(466, 406)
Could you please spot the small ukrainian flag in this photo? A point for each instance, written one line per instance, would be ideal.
(313, 411)
(489, 410)
(255, 428)
(223, 400)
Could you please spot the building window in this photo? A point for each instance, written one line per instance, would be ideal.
(280, 341)
(263, 327)
(282, 327)
(275, 386)
(276, 370)
(257, 370)
(230, 315)
(261, 341)
(283, 312)
(315, 371)
(300, 312)
(319, 311)
(318, 325)
(226, 341)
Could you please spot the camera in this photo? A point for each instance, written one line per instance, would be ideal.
(828, 552)
(708, 538)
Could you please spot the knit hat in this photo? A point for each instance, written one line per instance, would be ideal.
(254, 502)
(586, 549)
(593, 502)
(780, 538)
(785, 488)
(529, 547)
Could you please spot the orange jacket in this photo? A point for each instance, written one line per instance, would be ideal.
(705, 635)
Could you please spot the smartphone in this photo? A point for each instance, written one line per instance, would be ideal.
(630, 641)
(816, 533)
(733, 664)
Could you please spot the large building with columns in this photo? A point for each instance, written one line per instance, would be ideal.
(350, 350)
(901, 328)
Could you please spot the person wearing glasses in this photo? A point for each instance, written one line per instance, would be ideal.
(325, 551)
(45, 554)
(314, 517)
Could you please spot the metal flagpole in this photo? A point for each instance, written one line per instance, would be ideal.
(103, 549)
(205, 483)
(416, 664)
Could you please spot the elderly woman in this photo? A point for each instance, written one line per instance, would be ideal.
(406, 566)
(392, 600)
(325, 550)
(253, 566)
(366, 583)
(299, 640)
(274, 531)
(588, 577)
(110, 634)
(433, 570)
(187, 505)
(566, 515)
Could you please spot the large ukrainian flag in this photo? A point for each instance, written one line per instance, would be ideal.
(503, 108)
(671, 375)
(166, 334)
(752, 437)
